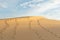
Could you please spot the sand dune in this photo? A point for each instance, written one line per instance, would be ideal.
(29, 28)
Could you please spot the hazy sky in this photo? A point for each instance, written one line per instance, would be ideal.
(18, 8)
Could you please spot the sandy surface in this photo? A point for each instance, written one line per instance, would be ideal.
(29, 28)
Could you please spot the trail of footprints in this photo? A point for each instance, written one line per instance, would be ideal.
(47, 30)
(1, 31)
(38, 34)
(40, 37)
(5, 29)
(35, 32)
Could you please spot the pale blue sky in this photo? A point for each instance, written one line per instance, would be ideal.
(18, 8)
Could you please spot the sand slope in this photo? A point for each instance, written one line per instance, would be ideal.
(29, 28)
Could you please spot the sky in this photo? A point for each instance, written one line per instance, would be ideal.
(18, 8)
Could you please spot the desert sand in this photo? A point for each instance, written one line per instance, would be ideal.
(29, 28)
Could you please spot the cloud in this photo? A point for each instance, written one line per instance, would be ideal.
(44, 7)
(32, 4)
(3, 5)
(54, 13)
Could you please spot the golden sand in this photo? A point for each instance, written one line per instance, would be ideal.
(29, 28)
